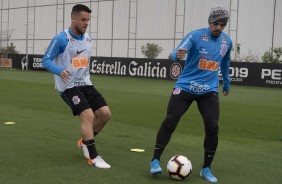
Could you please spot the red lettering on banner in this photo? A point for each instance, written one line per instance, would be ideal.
(208, 65)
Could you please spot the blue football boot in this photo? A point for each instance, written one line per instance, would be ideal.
(155, 167)
(206, 174)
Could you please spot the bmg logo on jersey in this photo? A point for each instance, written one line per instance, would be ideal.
(80, 62)
(208, 65)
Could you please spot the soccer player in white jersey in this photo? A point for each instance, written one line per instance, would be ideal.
(68, 58)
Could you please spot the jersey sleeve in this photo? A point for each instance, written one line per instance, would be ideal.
(56, 47)
(186, 44)
(224, 67)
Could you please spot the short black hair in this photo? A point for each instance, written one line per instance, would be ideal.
(79, 8)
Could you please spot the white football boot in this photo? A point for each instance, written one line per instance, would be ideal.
(99, 163)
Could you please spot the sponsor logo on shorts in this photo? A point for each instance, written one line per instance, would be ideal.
(75, 100)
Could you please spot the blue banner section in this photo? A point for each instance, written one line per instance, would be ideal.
(241, 73)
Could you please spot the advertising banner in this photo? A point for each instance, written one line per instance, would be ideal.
(136, 67)
(255, 74)
(241, 73)
(33, 62)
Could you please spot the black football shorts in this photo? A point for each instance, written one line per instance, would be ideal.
(80, 98)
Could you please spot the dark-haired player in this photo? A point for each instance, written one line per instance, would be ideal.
(68, 57)
(206, 51)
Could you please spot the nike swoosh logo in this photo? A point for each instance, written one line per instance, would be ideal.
(78, 52)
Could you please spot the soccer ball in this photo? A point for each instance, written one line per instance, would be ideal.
(179, 167)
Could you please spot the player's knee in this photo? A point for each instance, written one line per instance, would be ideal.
(212, 131)
(107, 116)
(170, 123)
(87, 115)
(104, 116)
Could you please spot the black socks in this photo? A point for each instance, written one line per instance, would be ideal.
(91, 148)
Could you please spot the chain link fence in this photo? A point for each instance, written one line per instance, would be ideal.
(120, 27)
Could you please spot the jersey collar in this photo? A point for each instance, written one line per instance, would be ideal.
(80, 37)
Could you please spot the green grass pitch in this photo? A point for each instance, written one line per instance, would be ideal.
(41, 147)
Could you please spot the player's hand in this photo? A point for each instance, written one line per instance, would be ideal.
(65, 75)
(225, 93)
(181, 53)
